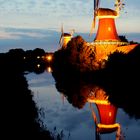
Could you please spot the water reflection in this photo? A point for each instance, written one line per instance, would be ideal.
(74, 87)
(105, 119)
(106, 123)
(49, 69)
(78, 92)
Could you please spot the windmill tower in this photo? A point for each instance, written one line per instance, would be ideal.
(107, 39)
(106, 27)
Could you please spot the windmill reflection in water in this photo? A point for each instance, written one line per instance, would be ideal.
(106, 123)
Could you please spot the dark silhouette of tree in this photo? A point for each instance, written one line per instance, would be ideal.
(73, 86)
(33, 60)
(19, 114)
(78, 55)
(38, 52)
(73, 93)
(81, 55)
(123, 38)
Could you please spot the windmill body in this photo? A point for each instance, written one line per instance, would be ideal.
(65, 39)
(107, 40)
(106, 27)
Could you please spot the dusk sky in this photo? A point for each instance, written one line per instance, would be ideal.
(21, 19)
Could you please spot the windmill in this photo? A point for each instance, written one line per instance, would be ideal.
(119, 5)
(65, 38)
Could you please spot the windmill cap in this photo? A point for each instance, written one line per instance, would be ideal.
(66, 34)
(106, 13)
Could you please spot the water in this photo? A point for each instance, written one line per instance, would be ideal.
(61, 115)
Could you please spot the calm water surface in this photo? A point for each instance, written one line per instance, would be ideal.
(58, 115)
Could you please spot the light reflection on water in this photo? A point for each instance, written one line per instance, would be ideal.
(75, 123)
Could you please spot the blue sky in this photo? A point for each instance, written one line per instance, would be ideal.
(22, 19)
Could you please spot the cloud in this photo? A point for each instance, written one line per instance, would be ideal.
(27, 38)
(51, 13)
(43, 80)
(70, 123)
(19, 35)
(44, 7)
(37, 81)
(29, 34)
(6, 35)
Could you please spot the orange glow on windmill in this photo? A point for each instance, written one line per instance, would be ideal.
(107, 40)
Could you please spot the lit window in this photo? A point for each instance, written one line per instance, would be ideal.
(38, 65)
(49, 57)
(109, 28)
(110, 114)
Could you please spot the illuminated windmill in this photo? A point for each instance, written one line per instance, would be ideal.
(106, 28)
(107, 113)
(107, 40)
(65, 38)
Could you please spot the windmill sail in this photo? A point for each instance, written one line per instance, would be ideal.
(61, 37)
(96, 6)
(119, 5)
